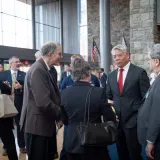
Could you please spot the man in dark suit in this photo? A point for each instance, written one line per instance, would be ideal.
(103, 78)
(41, 105)
(126, 86)
(149, 114)
(65, 74)
(15, 77)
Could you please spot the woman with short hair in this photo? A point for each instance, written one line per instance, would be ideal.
(73, 102)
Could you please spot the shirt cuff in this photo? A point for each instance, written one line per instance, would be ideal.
(149, 142)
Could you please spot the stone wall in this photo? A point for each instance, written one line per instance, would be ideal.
(142, 29)
(119, 16)
(93, 25)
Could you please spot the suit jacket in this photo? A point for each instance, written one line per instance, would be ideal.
(41, 101)
(53, 72)
(18, 93)
(149, 115)
(104, 80)
(73, 102)
(5, 122)
(63, 76)
(128, 102)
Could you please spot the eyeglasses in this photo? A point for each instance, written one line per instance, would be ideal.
(17, 62)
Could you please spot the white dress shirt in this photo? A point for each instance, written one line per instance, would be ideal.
(68, 73)
(125, 71)
(46, 64)
(12, 73)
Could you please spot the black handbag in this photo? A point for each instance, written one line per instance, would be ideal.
(95, 134)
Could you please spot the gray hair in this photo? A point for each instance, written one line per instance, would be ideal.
(38, 54)
(154, 51)
(79, 69)
(14, 57)
(49, 47)
(121, 47)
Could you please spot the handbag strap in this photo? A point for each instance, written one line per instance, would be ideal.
(87, 107)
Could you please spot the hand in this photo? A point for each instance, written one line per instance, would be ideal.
(7, 83)
(17, 85)
(150, 150)
(117, 119)
(59, 124)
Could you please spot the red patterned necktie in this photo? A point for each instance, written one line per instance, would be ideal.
(120, 80)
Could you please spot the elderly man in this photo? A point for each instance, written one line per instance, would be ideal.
(126, 87)
(15, 77)
(149, 114)
(41, 105)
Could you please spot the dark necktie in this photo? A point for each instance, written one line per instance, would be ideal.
(120, 80)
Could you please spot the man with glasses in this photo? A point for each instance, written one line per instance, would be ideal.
(149, 114)
(15, 77)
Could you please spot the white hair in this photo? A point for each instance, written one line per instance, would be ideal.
(14, 57)
(121, 47)
(38, 54)
(154, 52)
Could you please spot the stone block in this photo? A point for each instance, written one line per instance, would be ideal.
(139, 34)
(138, 57)
(147, 23)
(136, 18)
(145, 16)
(137, 45)
(134, 4)
(144, 3)
(151, 15)
(152, 2)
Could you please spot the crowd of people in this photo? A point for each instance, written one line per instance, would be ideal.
(126, 96)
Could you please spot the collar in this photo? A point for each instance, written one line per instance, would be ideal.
(13, 72)
(46, 64)
(126, 67)
(81, 83)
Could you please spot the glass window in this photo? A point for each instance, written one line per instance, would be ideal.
(83, 41)
(29, 10)
(21, 33)
(0, 5)
(0, 37)
(8, 24)
(8, 6)
(29, 34)
(8, 38)
(20, 9)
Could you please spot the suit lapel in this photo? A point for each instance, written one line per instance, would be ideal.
(127, 80)
(50, 76)
(9, 78)
(54, 83)
(18, 75)
(115, 81)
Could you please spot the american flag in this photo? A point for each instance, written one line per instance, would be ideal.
(94, 51)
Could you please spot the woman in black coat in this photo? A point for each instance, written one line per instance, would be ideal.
(6, 126)
(73, 102)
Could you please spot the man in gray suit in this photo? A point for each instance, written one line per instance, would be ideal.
(41, 105)
(149, 114)
(126, 87)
